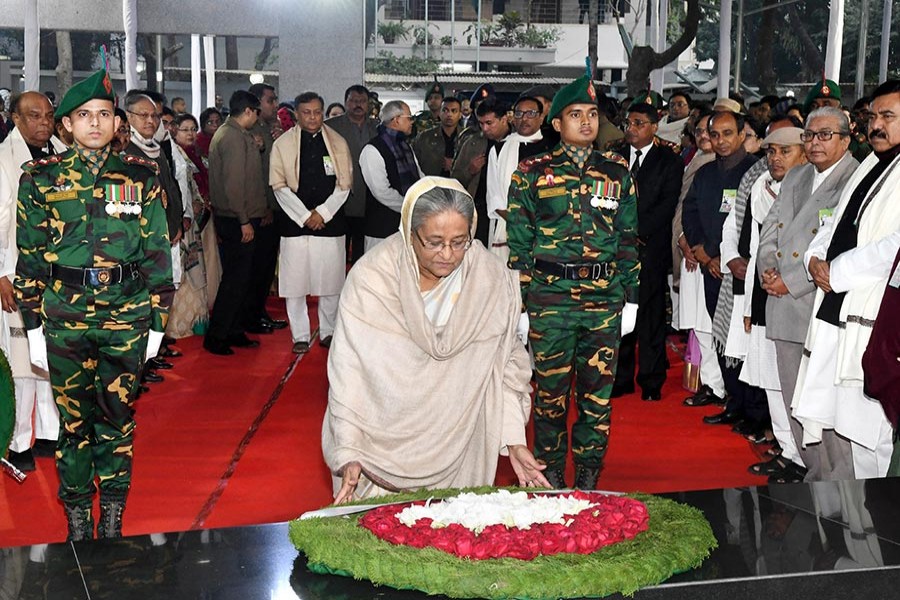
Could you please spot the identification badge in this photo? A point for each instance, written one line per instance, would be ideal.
(59, 196)
(728, 199)
(895, 278)
(329, 166)
(551, 192)
(826, 216)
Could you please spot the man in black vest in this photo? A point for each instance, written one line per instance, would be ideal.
(389, 168)
(657, 171)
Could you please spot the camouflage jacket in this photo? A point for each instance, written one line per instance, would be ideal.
(562, 214)
(63, 218)
(424, 121)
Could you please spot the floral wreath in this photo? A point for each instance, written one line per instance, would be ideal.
(678, 538)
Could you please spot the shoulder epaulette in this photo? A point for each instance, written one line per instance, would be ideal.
(34, 165)
(616, 158)
(527, 164)
(676, 148)
(131, 159)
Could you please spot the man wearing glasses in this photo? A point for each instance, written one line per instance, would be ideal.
(238, 195)
(526, 141)
(389, 168)
(657, 172)
(572, 229)
(850, 262)
(807, 198)
(671, 126)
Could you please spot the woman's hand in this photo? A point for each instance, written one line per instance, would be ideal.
(349, 480)
(527, 468)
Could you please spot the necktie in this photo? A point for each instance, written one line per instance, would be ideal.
(637, 163)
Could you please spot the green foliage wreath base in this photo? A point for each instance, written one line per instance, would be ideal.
(679, 538)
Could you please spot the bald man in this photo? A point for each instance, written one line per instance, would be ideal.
(32, 138)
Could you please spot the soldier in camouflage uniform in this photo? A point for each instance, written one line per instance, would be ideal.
(94, 283)
(430, 116)
(572, 230)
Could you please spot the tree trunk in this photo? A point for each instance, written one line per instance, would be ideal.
(765, 54)
(592, 39)
(147, 50)
(231, 52)
(64, 63)
(812, 57)
(263, 57)
(645, 59)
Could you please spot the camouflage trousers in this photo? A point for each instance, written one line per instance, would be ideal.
(580, 346)
(94, 374)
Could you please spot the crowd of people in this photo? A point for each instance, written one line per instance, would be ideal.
(588, 230)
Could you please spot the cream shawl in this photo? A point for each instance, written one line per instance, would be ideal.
(419, 405)
(284, 165)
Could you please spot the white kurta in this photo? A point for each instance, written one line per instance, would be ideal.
(309, 265)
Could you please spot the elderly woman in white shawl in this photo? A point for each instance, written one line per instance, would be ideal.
(429, 383)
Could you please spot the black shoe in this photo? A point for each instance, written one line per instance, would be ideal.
(151, 376)
(619, 391)
(300, 348)
(723, 418)
(557, 478)
(110, 523)
(703, 397)
(792, 473)
(217, 347)
(652, 395)
(325, 342)
(158, 363)
(586, 477)
(23, 461)
(167, 352)
(259, 328)
(274, 323)
(81, 523)
(242, 341)
(44, 448)
(746, 428)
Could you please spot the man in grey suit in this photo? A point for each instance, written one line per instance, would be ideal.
(807, 198)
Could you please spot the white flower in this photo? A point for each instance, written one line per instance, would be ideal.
(512, 509)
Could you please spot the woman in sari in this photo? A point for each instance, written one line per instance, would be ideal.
(429, 383)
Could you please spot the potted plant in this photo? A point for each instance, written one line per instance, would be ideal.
(393, 31)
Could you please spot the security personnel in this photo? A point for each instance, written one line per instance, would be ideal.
(94, 283)
(572, 231)
(430, 116)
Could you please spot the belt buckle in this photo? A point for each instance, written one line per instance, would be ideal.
(103, 276)
(584, 272)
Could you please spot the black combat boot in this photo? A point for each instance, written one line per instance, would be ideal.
(110, 523)
(557, 478)
(586, 477)
(81, 523)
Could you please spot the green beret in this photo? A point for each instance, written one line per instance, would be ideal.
(824, 89)
(650, 98)
(436, 88)
(481, 93)
(580, 91)
(96, 86)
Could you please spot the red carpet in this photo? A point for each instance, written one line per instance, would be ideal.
(235, 440)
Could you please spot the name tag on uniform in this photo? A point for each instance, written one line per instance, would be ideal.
(551, 192)
(329, 166)
(895, 278)
(58, 196)
(728, 199)
(826, 216)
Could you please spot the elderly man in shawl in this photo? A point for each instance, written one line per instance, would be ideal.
(428, 380)
(850, 261)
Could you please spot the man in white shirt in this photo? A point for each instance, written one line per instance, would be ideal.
(389, 168)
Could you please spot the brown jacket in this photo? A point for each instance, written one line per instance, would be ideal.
(236, 186)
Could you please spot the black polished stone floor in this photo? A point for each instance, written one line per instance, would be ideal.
(815, 541)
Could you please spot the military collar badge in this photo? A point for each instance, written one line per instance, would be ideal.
(606, 194)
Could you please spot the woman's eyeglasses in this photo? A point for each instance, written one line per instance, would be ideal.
(455, 245)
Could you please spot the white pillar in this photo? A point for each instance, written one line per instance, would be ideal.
(129, 21)
(658, 77)
(861, 48)
(209, 56)
(32, 68)
(885, 41)
(835, 41)
(656, 30)
(724, 62)
(196, 101)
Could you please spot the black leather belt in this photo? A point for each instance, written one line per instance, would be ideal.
(575, 271)
(93, 276)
